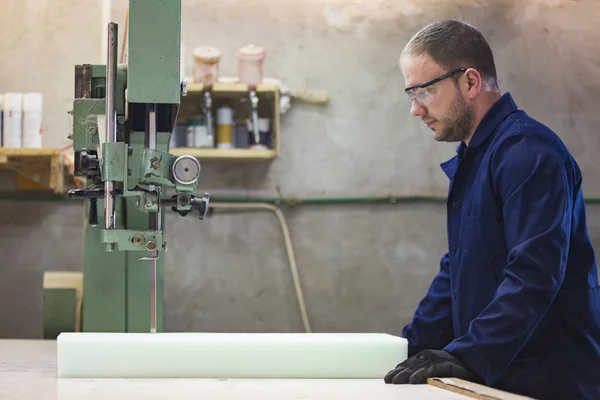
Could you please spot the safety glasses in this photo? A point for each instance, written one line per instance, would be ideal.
(421, 94)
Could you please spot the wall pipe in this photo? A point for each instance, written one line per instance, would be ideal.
(271, 204)
(288, 247)
(283, 201)
(232, 205)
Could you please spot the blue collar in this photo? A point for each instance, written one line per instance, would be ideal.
(499, 111)
(496, 114)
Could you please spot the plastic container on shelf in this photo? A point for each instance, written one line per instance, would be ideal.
(32, 120)
(250, 64)
(13, 120)
(206, 64)
(197, 134)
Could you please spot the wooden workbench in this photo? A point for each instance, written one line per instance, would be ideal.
(28, 371)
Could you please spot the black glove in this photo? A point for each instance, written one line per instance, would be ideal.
(428, 364)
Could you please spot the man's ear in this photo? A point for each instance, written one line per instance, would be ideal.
(473, 83)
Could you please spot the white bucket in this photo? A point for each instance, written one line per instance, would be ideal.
(13, 112)
(32, 120)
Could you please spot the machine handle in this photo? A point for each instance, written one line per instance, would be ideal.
(93, 217)
(198, 204)
(201, 205)
(90, 193)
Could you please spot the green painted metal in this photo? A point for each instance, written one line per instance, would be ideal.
(138, 294)
(99, 82)
(138, 279)
(98, 71)
(117, 284)
(59, 311)
(183, 201)
(154, 51)
(114, 161)
(85, 123)
(136, 145)
(104, 306)
(86, 112)
(104, 285)
(155, 167)
(131, 239)
(149, 202)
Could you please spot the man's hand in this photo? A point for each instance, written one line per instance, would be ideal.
(428, 364)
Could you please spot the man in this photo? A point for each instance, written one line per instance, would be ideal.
(516, 302)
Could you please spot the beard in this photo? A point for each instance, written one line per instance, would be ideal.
(457, 126)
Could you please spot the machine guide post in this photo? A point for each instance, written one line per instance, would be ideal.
(111, 118)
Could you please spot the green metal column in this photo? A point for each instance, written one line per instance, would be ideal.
(116, 285)
(104, 279)
(138, 279)
(154, 51)
(59, 311)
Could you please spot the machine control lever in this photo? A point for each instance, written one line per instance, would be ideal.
(198, 204)
(93, 194)
(90, 193)
(86, 163)
(93, 217)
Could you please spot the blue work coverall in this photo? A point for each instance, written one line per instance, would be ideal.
(517, 296)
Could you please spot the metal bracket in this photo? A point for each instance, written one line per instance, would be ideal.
(114, 161)
(131, 240)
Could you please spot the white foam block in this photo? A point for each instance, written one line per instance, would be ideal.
(228, 355)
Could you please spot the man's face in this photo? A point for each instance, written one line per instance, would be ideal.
(441, 106)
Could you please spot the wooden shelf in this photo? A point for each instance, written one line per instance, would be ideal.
(12, 152)
(207, 154)
(35, 169)
(231, 87)
(235, 95)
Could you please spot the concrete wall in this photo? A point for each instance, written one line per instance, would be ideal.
(42, 41)
(362, 267)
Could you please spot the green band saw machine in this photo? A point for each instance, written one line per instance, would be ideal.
(123, 117)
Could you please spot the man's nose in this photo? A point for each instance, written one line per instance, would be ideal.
(416, 108)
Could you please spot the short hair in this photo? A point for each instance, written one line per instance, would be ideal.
(453, 44)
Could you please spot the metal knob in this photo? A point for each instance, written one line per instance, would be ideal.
(186, 169)
(201, 205)
(86, 163)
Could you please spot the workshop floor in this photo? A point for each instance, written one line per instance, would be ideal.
(28, 371)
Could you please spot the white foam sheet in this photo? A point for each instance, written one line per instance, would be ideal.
(228, 355)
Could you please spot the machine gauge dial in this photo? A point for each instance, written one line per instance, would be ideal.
(186, 169)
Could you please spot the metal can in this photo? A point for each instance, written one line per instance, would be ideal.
(225, 121)
(197, 134)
